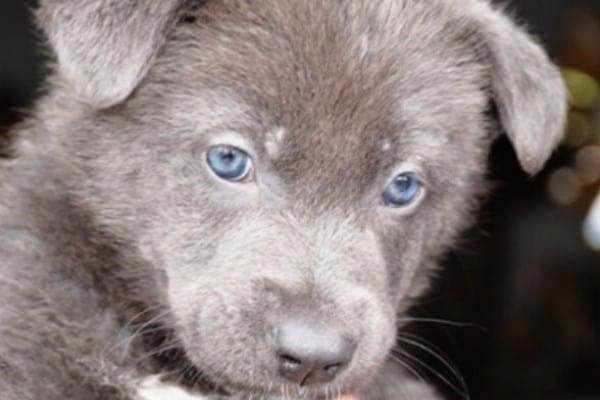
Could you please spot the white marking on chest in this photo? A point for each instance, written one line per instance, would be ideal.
(153, 389)
(273, 141)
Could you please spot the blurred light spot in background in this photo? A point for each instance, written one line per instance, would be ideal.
(591, 230)
(596, 129)
(583, 88)
(564, 186)
(579, 129)
(587, 164)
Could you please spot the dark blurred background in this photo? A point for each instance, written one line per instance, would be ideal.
(516, 312)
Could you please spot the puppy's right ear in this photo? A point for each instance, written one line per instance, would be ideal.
(526, 87)
(105, 47)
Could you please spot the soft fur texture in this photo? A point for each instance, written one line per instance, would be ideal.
(122, 256)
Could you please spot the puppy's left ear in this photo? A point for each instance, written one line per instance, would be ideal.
(105, 47)
(526, 87)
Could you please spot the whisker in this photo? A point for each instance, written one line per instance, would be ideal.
(405, 364)
(163, 348)
(443, 322)
(438, 374)
(139, 330)
(414, 341)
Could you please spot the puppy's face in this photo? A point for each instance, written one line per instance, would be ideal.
(291, 170)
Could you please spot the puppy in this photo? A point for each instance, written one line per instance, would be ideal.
(242, 198)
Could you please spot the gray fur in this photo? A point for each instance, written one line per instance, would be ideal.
(528, 90)
(95, 42)
(116, 241)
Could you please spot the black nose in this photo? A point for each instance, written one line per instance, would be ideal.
(308, 355)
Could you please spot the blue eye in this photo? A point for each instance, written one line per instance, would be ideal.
(229, 163)
(403, 191)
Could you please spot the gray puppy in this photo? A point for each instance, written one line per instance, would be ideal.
(242, 197)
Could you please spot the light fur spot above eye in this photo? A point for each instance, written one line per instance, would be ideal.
(273, 141)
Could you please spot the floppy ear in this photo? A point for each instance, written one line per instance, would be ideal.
(527, 88)
(105, 47)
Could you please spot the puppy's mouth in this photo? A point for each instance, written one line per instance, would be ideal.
(283, 392)
(245, 390)
(154, 388)
(190, 378)
(230, 391)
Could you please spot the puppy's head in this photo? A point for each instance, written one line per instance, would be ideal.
(291, 170)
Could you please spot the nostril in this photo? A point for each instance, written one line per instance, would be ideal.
(308, 356)
(333, 369)
(293, 369)
(289, 362)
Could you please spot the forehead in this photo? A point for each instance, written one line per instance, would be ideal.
(341, 79)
